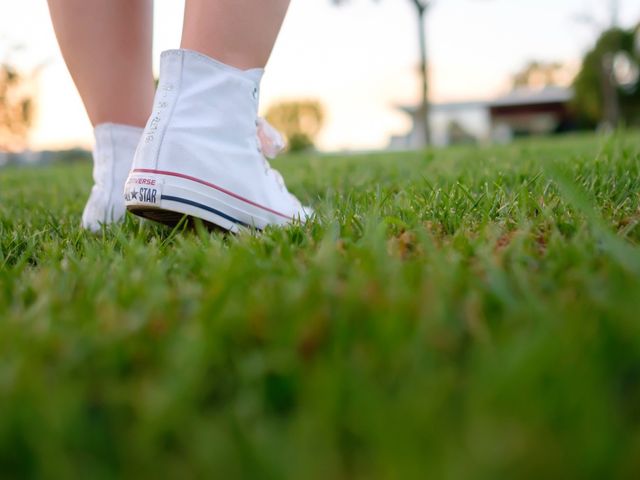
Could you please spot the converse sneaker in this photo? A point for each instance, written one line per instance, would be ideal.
(203, 150)
(112, 157)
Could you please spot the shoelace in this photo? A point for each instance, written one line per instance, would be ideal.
(271, 140)
(271, 144)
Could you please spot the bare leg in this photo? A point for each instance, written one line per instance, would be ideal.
(107, 47)
(240, 33)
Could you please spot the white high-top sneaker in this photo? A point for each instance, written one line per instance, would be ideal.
(201, 155)
(112, 158)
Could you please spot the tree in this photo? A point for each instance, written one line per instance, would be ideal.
(300, 121)
(600, 96)
(538, 74)
(421, 9)
(16, 107)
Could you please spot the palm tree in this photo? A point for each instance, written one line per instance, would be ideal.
(421, 8)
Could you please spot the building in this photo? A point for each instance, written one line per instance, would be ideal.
(522, 112)
(448, 121)
(527, 112)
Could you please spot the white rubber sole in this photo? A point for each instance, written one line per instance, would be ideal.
(166, 197)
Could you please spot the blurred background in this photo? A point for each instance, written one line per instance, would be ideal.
(367, 75)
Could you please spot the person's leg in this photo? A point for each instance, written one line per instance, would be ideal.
(106, 45)
(202, 152)
(240, 33)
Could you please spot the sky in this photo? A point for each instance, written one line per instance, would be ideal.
(359, 59)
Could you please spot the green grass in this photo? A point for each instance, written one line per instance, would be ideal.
(464, 313)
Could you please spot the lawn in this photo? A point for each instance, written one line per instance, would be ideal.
(472, 312)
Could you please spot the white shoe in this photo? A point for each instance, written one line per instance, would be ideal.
(201, 155)
(112, 158)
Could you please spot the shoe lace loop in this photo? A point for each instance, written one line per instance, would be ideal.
(271, 144)
(271, 140)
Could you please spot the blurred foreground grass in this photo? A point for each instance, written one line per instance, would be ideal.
(465, 313)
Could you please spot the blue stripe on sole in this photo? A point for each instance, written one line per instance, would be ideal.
(204, 207)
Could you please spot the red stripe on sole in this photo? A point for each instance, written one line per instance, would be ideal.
(211, 185)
